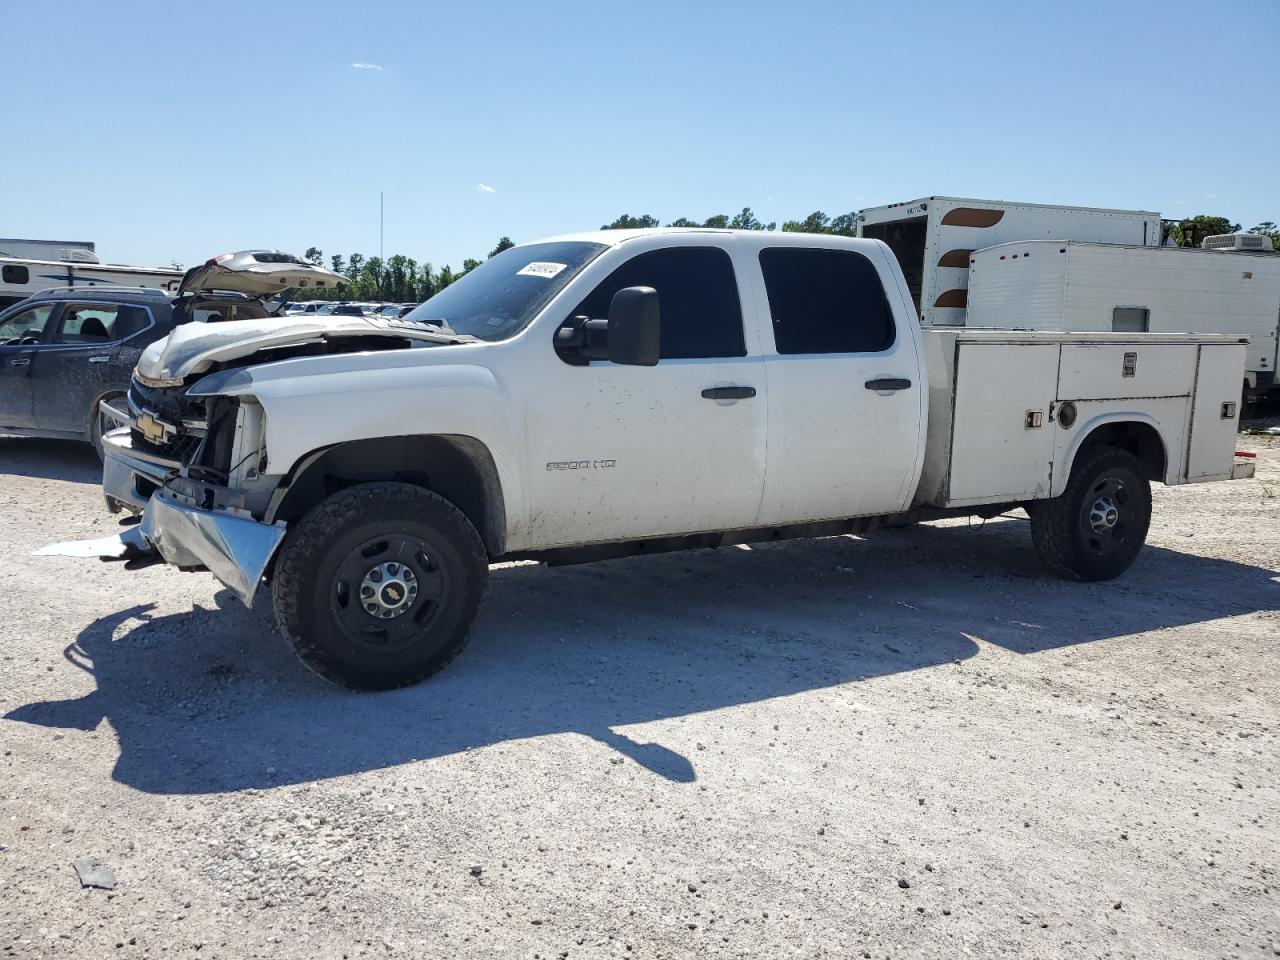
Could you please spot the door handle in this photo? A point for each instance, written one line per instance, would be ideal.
(20, 362)
(729, 393)
(101, 358)
(888, 383)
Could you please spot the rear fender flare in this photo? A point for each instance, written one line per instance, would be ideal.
(1083, 432)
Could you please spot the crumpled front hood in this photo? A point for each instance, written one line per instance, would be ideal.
(193, 348)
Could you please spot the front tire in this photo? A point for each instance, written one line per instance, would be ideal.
(1097, 527)
(378, 586)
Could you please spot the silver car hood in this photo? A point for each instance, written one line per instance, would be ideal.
(193, 348)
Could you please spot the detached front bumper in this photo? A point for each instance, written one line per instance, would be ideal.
(234, 549)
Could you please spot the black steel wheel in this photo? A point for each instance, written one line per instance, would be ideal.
(1097, 527)
(378, 585)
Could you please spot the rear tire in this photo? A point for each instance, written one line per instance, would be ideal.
(1097, 527)
(378, 586)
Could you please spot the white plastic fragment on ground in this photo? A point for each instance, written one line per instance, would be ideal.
(116, 545)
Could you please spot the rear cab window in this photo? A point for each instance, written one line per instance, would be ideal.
(826, 301)
(697, 294)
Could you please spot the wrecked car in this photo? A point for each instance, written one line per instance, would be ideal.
(66, 356)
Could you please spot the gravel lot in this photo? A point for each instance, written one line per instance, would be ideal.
(917, 744)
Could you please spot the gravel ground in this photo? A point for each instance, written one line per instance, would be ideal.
(914, 744)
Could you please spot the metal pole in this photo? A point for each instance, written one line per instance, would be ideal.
(380, 254)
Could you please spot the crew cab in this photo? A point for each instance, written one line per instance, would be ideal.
(620, 392)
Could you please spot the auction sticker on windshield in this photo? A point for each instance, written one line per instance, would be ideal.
(540, 268)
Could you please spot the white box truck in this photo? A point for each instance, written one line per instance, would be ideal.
(1070, 285)
(934, 236)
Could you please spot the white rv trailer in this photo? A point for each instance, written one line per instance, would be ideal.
(19, 278)
(1088, 287)
(81, 251)
(933, 238)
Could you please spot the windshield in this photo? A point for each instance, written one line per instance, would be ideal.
(497, 299)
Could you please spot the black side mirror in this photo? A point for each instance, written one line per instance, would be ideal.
(631, 336)
(634, 327)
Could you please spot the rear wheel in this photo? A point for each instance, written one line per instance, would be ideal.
(377, 587)
(1096, 528)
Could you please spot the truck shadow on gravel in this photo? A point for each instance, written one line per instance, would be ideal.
(213, 700)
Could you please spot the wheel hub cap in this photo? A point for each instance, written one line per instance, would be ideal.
(1104, 515)
(388, 590)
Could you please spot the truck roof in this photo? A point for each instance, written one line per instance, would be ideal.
(1005, 203)
(614, 237)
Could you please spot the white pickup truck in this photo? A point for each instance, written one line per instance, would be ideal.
(622, 392)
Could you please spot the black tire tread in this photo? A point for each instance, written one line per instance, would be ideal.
(1052, 521)
(308, 538)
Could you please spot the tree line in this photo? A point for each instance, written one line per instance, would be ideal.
(401, 279)
(397, 279)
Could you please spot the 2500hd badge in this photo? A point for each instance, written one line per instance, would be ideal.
(581, 464)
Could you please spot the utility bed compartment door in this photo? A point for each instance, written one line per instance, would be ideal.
(1215, 413)
(1125, 371)
(1002, 440)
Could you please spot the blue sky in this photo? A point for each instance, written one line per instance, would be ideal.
(176, 131)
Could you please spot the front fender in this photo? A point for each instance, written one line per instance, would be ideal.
(316, 402)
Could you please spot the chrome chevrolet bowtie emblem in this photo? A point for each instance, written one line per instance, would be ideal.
(151, 428)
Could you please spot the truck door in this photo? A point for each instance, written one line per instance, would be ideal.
(85, 357)
(22, 331)
(622, 453)
(847, 391)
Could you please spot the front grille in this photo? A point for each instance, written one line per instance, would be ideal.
(169, 405)
(180, 448)
(166, 403)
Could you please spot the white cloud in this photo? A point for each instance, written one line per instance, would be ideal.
(1182, 203)
(361, 65)
(485, 188)
(1212, 196)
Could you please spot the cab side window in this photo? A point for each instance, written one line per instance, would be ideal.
(100, 323)
(826, 301)
(698, 296)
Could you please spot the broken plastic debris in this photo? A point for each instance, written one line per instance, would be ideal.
(94, 873)
(118, 546)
